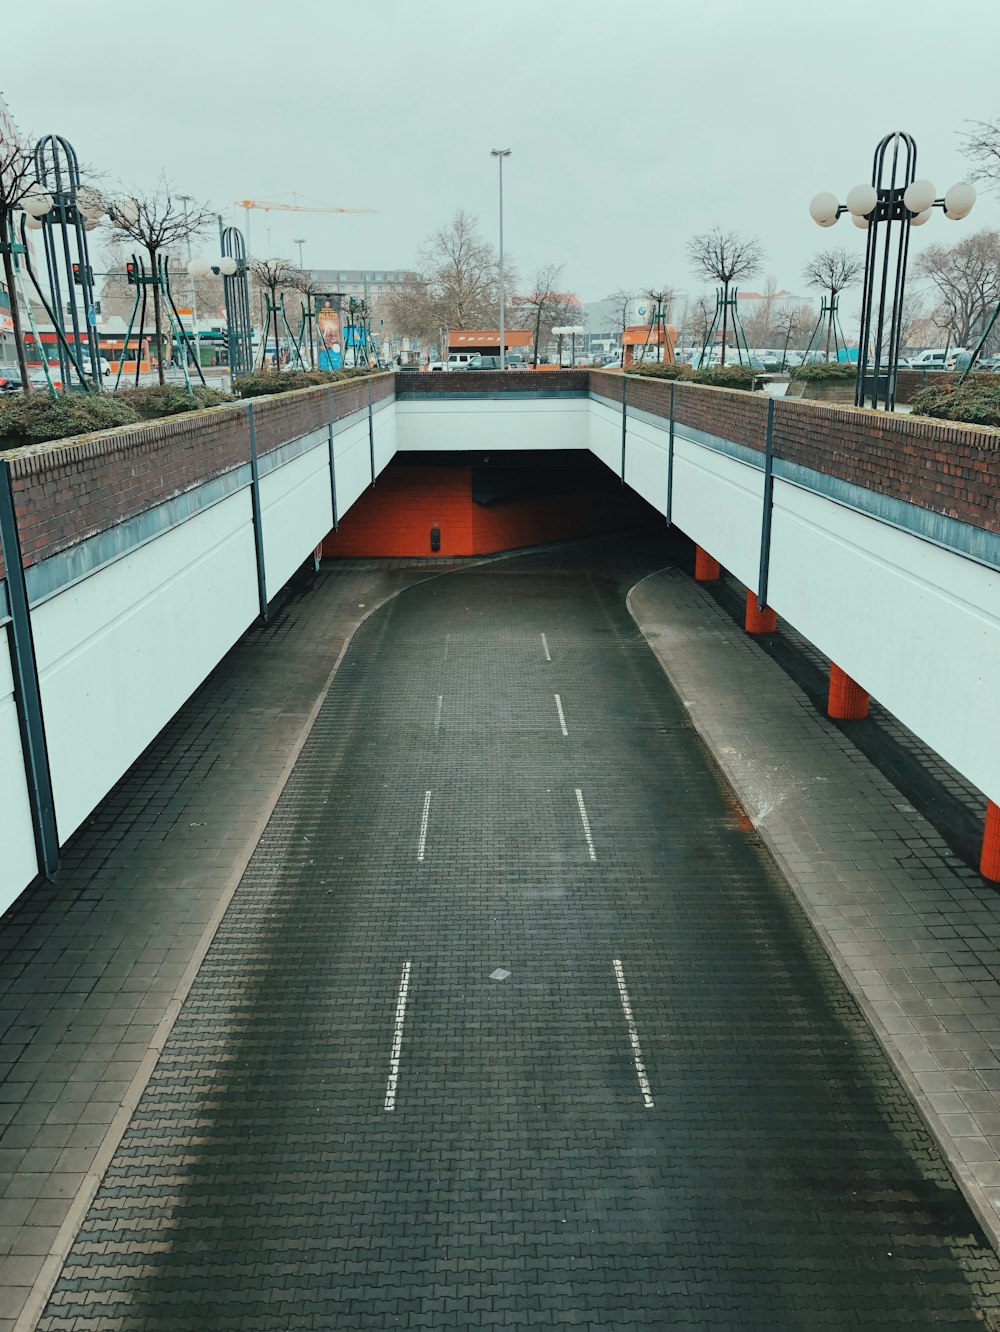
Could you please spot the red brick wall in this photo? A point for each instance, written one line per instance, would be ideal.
(492, 381)
(395, 517)
(65, 491)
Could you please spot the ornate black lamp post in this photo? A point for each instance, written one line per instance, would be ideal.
(886, 209)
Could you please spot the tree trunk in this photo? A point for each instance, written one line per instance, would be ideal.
(538, 326)
(15, 314)
(158, 336)
(725, 320)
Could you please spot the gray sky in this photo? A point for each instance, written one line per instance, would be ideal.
(632, 126)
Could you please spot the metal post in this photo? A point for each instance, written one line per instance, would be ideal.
(670, 459)
(27, 690)
(624, 420)
(258, 529)
(765, 526)
(371, 429)
(333, 461)
(500, 154)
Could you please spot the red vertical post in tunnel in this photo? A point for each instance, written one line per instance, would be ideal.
(759, 621)
(706, 569)
(989, 863)
(847, 700)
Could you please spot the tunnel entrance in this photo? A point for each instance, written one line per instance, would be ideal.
(479, 503)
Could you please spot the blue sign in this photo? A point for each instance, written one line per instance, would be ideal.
(91, 316)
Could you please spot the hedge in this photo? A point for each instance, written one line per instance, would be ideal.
(976, 402)
(36, 417)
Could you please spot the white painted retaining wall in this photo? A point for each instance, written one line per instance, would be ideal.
(122, 647)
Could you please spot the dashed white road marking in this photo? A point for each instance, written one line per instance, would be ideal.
(437, 715)
(422, 845)
(447, 640)
(633, 1035)
(562, 718)
(545, 648)
(586, 823)
(397, 1038)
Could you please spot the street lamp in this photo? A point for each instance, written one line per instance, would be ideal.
(895, 198)
(300, 244)
(500, 154)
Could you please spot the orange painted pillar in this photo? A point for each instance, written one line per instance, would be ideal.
(989, 864)
(706, 570)
(759, 621)
(847, 700)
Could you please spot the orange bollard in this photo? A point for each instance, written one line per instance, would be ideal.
(989, 864)
(706, 570)
(759, 621)
(847, 700)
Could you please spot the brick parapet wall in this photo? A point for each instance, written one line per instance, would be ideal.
(493, 381)
(940, 466)
(66, 490)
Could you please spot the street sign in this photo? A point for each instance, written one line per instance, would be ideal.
(91, 316)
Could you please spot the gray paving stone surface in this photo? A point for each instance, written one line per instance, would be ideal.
(669, 1112)
(89, 966)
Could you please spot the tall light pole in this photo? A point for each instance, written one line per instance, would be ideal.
(300, 244)
(500, 154)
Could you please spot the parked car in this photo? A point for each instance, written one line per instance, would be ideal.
(10, 379)
(459, 360)
(37, 379)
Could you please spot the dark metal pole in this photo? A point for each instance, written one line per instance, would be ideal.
(258, 523)
(768, 505)
(27, 687)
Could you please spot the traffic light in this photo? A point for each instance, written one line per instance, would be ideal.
(130, 274)
(78, 274)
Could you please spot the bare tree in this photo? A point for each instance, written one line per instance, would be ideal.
(276, 277)
(18, 183)
(759, 325)
(790, 322)
(659, 300)
(457, 284)
(544, 308)
(156, 223)
(981, 145)
(966, 278)
(726, 257)
(621, 302)
(831, 271)
(118, 298)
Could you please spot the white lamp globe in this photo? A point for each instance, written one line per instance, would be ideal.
(959, 200)
(199, 268)
(89, 203)
(34, 223)
(861, 222)
(125, 212)
(36, 203)
(823, 208)
(830, 222)
(227, 266)
(861, 200)
(919, 196)
(921, 218)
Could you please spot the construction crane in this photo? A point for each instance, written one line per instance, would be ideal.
(268, 207)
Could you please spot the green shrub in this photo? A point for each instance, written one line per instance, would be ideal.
(727, 376)
(170, 399)
(37, 417)
(976, 402)
(827, 372)
(661, 370)
(285, 381)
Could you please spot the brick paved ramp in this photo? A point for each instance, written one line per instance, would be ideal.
(512, 1022)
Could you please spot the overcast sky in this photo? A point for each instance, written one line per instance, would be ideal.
(632, 126)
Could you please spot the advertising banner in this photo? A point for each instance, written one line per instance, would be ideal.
(328, 333)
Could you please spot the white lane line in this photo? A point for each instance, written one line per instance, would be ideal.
(633, 1035)
(559, 709)
(397, 1038)
(437, 715)
(423, 825)
(586, 823)
(447, 640)
(545, 646)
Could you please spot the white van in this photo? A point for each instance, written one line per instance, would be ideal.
(932, 359)
(460, 360)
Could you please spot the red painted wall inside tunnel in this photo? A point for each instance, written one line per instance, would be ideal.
(395, 517)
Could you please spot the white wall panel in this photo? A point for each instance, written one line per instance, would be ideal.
(296, 512)
(492, 424)
(120, 651)
(352, 453)
(18, 864)
(605, 434)
(646, 458)
(717, 503)
(384, 422)
(914, 624)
